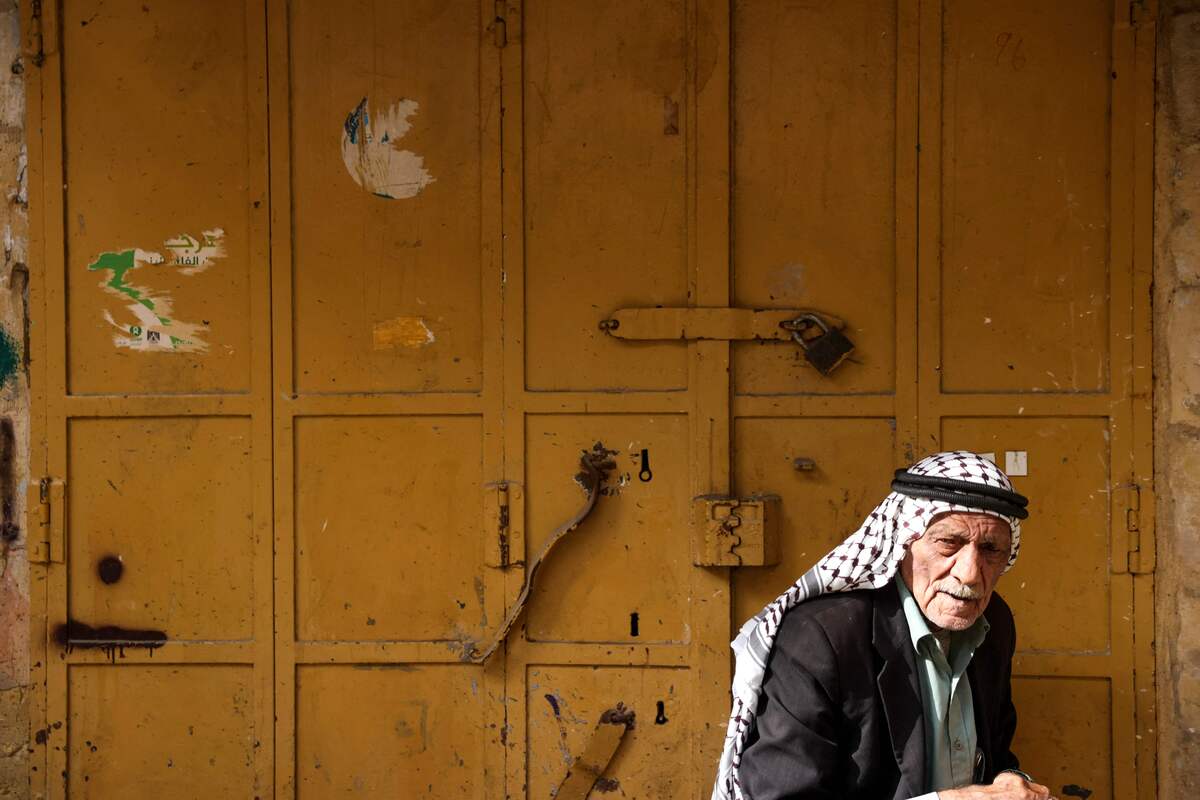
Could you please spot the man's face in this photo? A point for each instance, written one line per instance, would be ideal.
(952, 570)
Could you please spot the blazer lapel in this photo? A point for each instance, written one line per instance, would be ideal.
(900, 691)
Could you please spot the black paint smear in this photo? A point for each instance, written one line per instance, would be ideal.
(110, 569)
(9, 529)
(1071, 790)
(109, 638)
(633, 624)
(554, 704)
(606, 785)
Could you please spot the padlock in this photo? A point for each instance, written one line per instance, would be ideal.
(827, 350)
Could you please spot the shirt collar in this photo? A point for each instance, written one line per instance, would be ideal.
(918, 626)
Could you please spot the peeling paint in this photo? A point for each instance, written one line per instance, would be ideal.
(371, 154)
(153, 327)
(401, 332)
(195, 255)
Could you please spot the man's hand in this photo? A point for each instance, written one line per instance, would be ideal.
(1007, 786)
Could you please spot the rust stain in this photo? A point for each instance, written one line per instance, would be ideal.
(619, 715)
(409, 332)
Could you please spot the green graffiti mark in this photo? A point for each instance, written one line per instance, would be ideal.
(10, 357)
(176, 341)
(119, 264)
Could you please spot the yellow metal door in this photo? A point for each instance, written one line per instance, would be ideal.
(324, 292)
(388, 397)
(616, 195)
(967, 186)
(1035, 314)
(153, 400)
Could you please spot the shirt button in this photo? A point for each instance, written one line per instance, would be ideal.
(958, 745)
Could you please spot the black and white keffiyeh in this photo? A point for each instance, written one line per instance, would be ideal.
(869, 558)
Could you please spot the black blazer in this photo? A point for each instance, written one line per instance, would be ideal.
(840, 715)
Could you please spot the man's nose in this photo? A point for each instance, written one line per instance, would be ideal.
(968, 567)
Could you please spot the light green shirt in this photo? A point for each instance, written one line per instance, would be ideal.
(942, 661)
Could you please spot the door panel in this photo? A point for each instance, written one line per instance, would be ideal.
(1025, 201)
(565, 705)
(605, 188)
(1064, 735)
(382, 731)
(814, 193)
(633, 556)
(359, 508)
(161, 731)
(170, 499)
(158, 161)
(1068, 465)
(387, 192)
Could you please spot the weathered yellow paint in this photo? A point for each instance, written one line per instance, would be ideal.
(401, 332)
(309, 507)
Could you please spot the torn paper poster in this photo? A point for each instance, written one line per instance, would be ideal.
(371, 152)
(145, 319)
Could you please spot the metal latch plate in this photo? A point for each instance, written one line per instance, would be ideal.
(727, 324)
(733, 532)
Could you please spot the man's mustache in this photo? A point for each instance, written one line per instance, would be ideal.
(960, 591)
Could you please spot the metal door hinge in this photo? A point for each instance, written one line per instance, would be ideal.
(47, 512)
(35, 43)
(1138, 530)
(504, 518)
(733, 532)
(1137, 12)
(500, 25)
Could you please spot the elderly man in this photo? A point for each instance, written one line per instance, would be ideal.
(884, 671)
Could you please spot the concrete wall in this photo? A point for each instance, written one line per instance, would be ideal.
(1177, 399)
(14, 412)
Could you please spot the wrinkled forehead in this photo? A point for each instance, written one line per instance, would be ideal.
(984, 526)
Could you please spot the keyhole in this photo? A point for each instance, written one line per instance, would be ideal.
(645, 474)
(661, 718)
(633, 624)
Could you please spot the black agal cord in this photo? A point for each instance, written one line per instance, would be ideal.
(963, 493)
